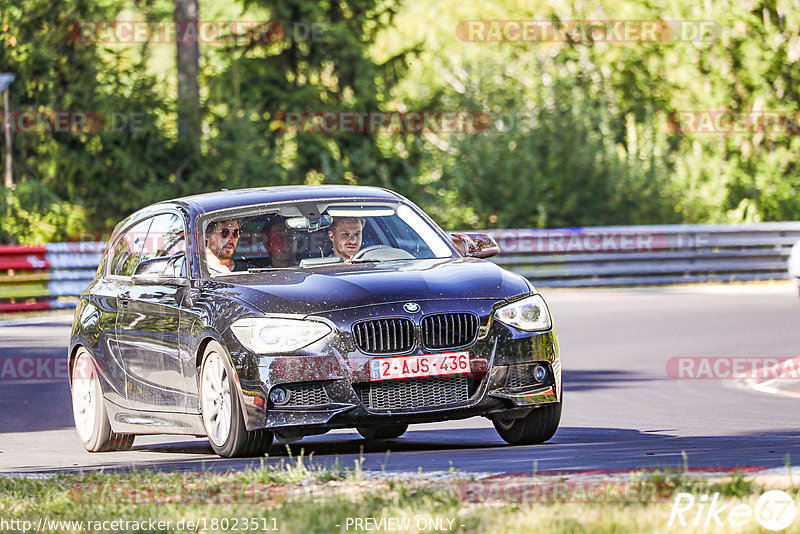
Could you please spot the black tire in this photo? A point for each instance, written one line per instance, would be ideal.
(124, 442)
(536, 427)
(238, 441)
(382, 431)
(95, 433)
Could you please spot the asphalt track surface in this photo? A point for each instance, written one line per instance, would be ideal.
(622, 409)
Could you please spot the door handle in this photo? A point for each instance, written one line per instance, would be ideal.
(124, 298)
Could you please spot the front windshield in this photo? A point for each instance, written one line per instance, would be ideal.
(307, 235)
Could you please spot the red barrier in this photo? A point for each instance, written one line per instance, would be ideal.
(23, 257)
(24, 306)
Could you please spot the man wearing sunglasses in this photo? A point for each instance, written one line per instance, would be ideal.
(221, 240)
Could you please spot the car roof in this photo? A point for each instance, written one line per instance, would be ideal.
(196, 205)
(225, 199)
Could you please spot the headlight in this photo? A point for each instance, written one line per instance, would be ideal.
(271, 336)
(529, 314)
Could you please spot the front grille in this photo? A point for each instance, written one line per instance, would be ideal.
(413, 393)
(306, 395)
(520, 376)
(446, 330)
(384, 336)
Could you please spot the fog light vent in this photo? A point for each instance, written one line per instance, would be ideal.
(525, 375)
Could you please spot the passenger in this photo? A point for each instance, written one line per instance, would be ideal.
(345, 234)
(221, 240)
(282, 245)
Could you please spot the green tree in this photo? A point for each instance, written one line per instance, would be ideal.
(116, 161)
(316, 59)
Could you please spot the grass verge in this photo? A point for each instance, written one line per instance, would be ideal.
(296, 497)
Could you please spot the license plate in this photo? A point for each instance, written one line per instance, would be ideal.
(445, 363)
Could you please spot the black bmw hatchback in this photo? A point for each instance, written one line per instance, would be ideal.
(284, 312)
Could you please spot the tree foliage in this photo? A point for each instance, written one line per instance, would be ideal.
(320, 62)
(110, 167)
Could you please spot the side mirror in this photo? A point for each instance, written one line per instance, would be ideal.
(160, 271)
(475, 245)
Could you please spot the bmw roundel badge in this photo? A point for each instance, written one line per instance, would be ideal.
(411, 307)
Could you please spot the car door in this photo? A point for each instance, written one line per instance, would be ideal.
(113, 290)
(148, 327)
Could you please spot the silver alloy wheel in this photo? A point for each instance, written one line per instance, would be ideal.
(85, 388)
(215, 391)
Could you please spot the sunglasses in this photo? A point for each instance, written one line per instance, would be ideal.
(226, 232)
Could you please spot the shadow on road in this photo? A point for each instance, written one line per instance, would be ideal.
(587, 379)
(31, 407)
(573, 449)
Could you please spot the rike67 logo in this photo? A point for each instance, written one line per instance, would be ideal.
(774, 510)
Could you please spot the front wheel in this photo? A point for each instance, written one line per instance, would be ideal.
(222, 413)
(89, 409)
(382, 431)
(536, 427)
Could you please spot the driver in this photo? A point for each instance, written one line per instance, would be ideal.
(345, 234)
(221, 240)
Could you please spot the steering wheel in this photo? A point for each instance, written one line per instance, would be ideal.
(387, 253)
(364, 251)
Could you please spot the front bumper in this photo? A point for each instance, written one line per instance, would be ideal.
(329, 383)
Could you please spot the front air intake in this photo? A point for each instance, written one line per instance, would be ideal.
(413, 393)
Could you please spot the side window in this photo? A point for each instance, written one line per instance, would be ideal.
(166, 237)
(128, 249)
(179, 268)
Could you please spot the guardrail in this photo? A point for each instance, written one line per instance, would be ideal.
(46, 277)
(648, 255)
(51, 276)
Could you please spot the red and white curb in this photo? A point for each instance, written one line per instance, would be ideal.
(783, 380)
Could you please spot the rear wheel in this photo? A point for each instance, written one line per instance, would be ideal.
(89, 410)
(382, 431)
(536, 427)
(222, 413)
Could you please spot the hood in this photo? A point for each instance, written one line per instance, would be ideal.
(322, 289)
